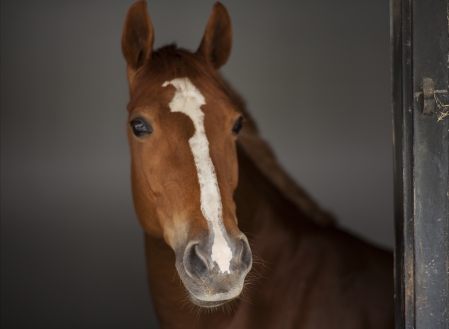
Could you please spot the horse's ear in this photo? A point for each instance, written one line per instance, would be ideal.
(138, 36)
(217, 40)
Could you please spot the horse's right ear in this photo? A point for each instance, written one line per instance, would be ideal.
(138, 36)
(217, 40)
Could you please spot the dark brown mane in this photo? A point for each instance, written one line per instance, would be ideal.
(260, 152)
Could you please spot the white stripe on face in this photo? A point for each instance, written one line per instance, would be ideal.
(188, 100)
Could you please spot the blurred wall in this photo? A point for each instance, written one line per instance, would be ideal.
(315, 75)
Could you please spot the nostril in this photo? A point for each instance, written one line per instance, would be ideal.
(194, 263)
(246, 257)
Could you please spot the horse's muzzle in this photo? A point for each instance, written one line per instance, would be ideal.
(207, 285)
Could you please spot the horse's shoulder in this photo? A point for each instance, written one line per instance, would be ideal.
(352, 272)
(355, 254)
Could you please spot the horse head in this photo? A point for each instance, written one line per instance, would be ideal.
(183, 126)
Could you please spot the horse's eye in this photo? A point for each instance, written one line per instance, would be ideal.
(140, 127)
(237, 125)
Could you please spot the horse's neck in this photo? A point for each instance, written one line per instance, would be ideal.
(262, 209)
(273, 224)
(263, 216)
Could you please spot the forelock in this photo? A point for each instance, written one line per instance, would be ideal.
(170, 62)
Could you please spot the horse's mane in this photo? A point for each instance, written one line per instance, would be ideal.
(260, 152)
(176, 62)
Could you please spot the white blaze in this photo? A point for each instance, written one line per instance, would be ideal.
(188, 100)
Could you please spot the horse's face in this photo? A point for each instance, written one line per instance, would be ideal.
(182, 130)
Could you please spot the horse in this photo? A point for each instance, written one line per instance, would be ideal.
(231, 240)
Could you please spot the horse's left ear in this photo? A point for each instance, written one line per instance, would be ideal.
(217, 40)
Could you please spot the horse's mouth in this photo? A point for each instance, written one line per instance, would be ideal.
(207, 304)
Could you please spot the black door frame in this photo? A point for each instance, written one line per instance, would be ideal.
(419, 37)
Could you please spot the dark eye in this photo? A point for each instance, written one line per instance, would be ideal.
(237, 125)
(140, 127)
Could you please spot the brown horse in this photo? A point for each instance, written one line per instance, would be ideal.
(197, 186)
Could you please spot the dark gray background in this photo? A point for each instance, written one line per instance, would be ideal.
(315, 75)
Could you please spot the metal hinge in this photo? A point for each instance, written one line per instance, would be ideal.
(430, 99)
